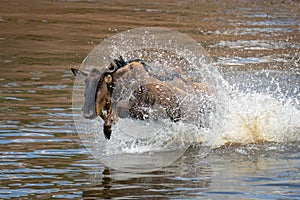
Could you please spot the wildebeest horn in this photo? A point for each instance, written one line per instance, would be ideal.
(78, 72)
(113, 67)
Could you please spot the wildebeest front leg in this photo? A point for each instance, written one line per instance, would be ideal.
(105, 114)
(107, 129)
(108, 121)
(110, 117)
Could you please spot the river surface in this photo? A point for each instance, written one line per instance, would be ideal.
(255, 45)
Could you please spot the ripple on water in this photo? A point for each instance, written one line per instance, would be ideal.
(256, 44)
(271, 31)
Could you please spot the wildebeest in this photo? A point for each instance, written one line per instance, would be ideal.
(103, 90)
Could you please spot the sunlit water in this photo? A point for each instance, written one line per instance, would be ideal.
(254, 156)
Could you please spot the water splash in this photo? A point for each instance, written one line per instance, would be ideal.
(238, 114)
(259, 118)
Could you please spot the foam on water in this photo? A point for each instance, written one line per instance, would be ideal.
(256, 118)
(264, 107)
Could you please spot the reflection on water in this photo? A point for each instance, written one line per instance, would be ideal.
(41, 155)
(226, 172)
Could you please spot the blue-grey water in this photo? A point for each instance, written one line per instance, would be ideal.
(256, 46)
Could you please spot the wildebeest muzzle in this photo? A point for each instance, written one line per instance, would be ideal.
(91, 86)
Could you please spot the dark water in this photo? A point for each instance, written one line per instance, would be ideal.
(41, 155)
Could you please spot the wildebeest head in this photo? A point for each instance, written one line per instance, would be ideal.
(99, 86)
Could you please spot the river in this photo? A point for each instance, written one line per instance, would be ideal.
(255, 45)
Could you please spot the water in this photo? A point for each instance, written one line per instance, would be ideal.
(256, 47)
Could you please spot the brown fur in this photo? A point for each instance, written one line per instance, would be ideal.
(151, 94)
